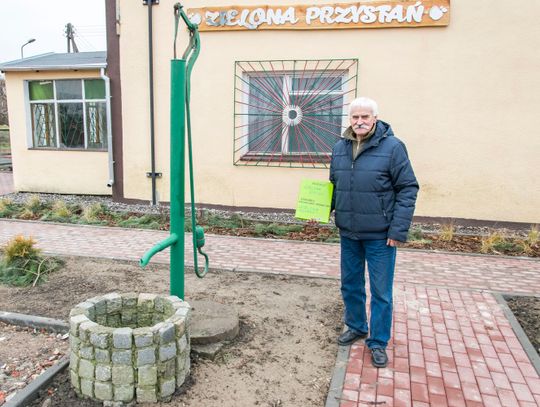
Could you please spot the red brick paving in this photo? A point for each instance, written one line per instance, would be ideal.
(452, 344)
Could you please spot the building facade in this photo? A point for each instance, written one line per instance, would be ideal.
(269, 93)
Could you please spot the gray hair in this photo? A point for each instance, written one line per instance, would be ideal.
(364, 102)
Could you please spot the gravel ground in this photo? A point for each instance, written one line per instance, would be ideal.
(25, 353)
(258, 215)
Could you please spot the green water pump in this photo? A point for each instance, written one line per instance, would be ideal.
(180, 120)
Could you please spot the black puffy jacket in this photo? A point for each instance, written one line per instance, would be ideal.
(374, 195)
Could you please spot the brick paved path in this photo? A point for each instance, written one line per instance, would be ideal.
(452, 344)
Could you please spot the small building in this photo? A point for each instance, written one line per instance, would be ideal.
(59, 123)
(457, 81)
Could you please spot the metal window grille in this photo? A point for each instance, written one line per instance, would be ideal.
(291, 112)
(69, 115)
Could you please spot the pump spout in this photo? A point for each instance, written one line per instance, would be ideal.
(145, 259)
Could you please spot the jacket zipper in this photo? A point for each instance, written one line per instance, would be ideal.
(382, 206)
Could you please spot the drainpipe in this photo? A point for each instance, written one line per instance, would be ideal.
(109, 126)
(152, 174)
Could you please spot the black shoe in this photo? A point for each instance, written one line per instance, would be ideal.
(378, 357)
(348, 337)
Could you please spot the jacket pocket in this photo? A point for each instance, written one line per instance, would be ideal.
(383, 207)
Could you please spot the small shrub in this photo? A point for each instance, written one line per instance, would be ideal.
(20, 247)
(144, 222)
(526, 247)
(417, 238)
(276, 229)
(446, 234)
(507, 245)
(7, 208)
(91, 213)
(61, 210)
(491, 242)
(415, 234)
(235, 221)
(33, 204)
(23, 264)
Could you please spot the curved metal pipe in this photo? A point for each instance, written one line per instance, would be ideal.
(145, 259)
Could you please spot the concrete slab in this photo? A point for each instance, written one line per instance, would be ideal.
(212, 322)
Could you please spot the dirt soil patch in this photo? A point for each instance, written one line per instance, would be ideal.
(527, 312)
(25, 353)
(284, 355)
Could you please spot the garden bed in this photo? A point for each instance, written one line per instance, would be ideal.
(283, 356)
(102, 211)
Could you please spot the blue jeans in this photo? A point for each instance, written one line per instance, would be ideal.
(381, 260)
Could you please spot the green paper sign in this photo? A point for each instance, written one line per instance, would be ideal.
(314, 200)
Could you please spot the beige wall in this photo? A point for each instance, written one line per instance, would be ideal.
(83, 172)
(464, 98)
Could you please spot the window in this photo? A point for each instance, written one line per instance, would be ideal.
(68, 114)
(291, 113)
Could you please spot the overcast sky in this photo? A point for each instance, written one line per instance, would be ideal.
(45, 20)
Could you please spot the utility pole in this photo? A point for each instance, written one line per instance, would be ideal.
(70, 38)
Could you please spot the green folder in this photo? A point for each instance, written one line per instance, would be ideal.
(314, 200)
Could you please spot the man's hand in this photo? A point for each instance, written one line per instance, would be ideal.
(392, 243)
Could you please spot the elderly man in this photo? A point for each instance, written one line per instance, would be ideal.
(374, 197)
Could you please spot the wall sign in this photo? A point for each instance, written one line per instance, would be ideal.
(367, 14)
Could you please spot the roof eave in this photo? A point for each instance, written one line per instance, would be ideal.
(53, 68)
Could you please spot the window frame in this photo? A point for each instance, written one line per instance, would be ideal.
(306, 158)
(55, 102)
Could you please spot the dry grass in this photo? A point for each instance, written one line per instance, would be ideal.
(533, 236)
(447, 231)
(61, 210)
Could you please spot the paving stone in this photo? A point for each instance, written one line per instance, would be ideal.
(181, 344)
(86, 369)
(167, 352)
(100, 337)
(102, 355)
(74, 343)
(122, 375)
(75, 380)
(167, 369)
(146, 394)
(114, 302)
(103, 391)
(86, 352)
(143, 337)
(121, 357)
(74, 362)
(145, 304)
(167, 387)
(129, 300)
(103, 372)
(122, 338)
(147, 375)
(146, 356)
(87, 387)
(166, 333)
(124, 393)
(75, 322)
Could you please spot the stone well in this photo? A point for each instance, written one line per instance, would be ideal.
(129, 347)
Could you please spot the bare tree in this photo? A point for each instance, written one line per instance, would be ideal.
(3, 103)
